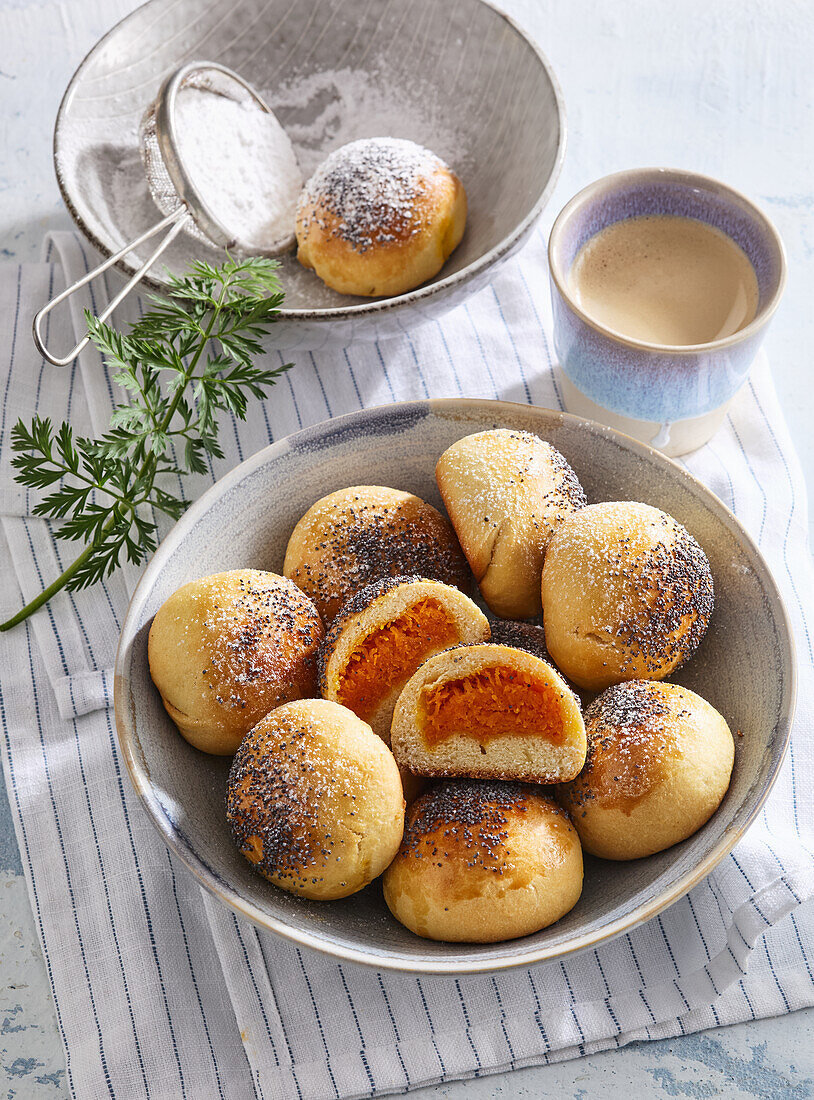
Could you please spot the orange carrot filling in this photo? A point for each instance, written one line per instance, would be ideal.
(495, 702)
(388, 657)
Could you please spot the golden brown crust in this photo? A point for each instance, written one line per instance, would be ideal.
(627, 593)
(505, 492)
(314, 800)
(365, 533)
(226, 649)
(482, 862)
(659, 762)
(379, 217)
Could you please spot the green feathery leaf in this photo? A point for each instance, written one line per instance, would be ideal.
(189, 358)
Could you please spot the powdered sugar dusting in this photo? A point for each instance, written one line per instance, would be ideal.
(627, 577)
(326, 110)
(369, 191)
(319, 112)
(243, 165)
(366, 533)
(631, 731)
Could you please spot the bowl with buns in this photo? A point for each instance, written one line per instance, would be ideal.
(429, 143)
(457, 685)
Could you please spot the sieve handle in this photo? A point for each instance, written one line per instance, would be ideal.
(174, 221)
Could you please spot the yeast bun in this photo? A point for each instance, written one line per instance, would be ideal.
(379, 217)
(482, 862)
(314, 800)
(505, 492)
(226, 649)
(627, 594)
(366, 533)
(659, 763)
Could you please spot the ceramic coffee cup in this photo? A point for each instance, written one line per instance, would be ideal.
(671, 396)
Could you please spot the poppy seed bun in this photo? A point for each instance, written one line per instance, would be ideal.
(482, 862)
(505, 492)
(659, 762)
(520, 635)
(226, 649)
(356, 536)
(379, 217)
(627, 593)
(489, 711)
(381, 637)
(314, 800)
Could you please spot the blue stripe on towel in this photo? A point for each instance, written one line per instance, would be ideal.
(319, 1023)
(68, 877)
(109, 906)
(468, 1027)
(395, 1028)
(34, 891)
(192, 974)
(253, 977)
(355, 1015)
(432, 1026)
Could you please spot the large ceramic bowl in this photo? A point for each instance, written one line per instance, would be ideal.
(745, 667)
(457, 76)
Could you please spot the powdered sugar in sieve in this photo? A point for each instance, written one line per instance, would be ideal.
(219, 166)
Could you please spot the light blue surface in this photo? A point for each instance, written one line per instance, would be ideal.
(724, 88)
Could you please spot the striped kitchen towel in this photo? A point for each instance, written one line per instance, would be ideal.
(162, 992)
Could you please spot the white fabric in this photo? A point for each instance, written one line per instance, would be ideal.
(162, 992)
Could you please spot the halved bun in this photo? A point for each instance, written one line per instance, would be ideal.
(489, 711)
(384, 634)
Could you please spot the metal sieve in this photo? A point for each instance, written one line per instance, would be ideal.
(171, 187)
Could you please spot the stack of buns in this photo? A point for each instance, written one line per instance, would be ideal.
(471, 721)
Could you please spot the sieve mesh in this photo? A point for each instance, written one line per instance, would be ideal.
(201, 223)
(174, 193)
(161, 186)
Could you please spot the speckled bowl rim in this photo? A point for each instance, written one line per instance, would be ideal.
(678, 175)
(380, 305)
(127, 737)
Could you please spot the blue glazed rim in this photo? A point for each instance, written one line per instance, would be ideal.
(687, 179)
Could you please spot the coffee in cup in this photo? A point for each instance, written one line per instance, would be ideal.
(665, 279)
(662, 284)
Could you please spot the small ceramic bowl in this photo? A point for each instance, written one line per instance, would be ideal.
(745, 667)
(673, 397)
(459, 77)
